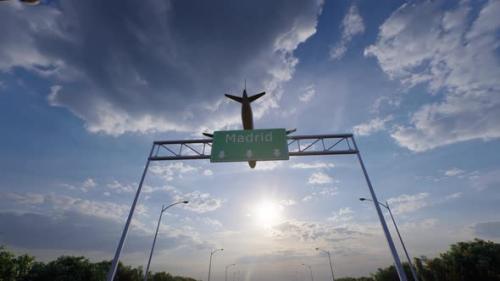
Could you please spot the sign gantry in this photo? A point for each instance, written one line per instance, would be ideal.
(300, 145)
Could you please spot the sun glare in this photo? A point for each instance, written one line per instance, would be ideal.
(267, 213)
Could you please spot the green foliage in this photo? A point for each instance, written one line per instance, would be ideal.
(390, 273)
(66, 268)
(14, 268)
(464, 261)
(476, 260)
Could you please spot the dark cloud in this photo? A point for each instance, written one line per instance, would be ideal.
(156, 65)
(488, 229)
(75, 231)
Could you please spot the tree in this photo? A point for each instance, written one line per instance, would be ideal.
(12, 268)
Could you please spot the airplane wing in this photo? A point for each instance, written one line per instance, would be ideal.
(238, 99)
(254, 97)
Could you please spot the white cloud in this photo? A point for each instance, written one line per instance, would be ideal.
(342, 215)
(313, 165)
(352, 25)
(207, 172)
(373, 126)
(323, 193)
(408, 203)
(452, 196)
(172, 170)
(453, 172)
(316, 231)
(268, 165)
(84, 186)
(199, 202)
(308, 94)
(287, 202)
(101, 209)
(118, 187)
(88, 184)
(320, 178)
(456, 58)
(485, 180)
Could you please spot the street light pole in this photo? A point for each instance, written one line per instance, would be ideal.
(329, 259)
(310, 270)
(210, 263)
(386, 205)
(163, 209)
(228, 266)
(397, 262)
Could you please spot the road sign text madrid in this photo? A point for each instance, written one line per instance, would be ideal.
(249, 145)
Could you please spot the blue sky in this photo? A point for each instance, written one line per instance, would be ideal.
(86, 86)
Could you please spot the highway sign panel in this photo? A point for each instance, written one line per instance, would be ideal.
(249, 145)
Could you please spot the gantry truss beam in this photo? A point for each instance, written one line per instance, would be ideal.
(300, 145)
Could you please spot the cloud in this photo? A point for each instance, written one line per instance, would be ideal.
(488, 229)
(84, 186)
(308, 94)
(315, 231)
(88, 184)
(453, 52)
(119, 187)
(313, 165)
(199, 202)
(485, 180)
(101, 209)
(76, 231)
(352, 25)
(207, 172)
(408, 203)
(373, 126)
(124, 66)
(342, 215)
(452, 196)
(319, 178)
(454, 172)
(268, 165)
(324, 192)
(170, 171)
(287, 202)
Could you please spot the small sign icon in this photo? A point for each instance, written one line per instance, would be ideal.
(276, 152)
(222, 154)
(249, 153)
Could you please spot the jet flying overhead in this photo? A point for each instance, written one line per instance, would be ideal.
(246, 115)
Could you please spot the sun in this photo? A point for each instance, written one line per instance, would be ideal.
(267, 213)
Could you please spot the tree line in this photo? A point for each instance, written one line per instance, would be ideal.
(68, 268)
(476, 260)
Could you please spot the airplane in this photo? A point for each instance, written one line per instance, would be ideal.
(246, 115)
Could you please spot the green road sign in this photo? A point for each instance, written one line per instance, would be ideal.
(249, 145)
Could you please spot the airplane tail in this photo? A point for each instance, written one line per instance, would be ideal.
(250, 99)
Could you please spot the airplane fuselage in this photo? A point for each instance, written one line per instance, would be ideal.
(246, 113)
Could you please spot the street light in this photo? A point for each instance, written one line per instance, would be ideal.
(329, 259)
(210, 263)
(386, 205)
(228, 266)
(163, 209)
(310, 270)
